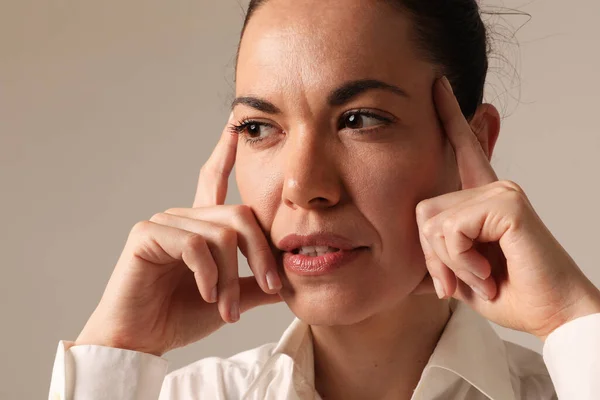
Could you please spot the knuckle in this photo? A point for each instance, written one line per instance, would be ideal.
(450, 225)
(229, 283)
(242, 214)
(512, 186)
(430, 258)
(262, 253)
(498, 189)
(195, 242)
(211, 171)
(158, 217)
(141, 228)
(519, 203)
(424, 210)
(207, 275)
(429, 228)
(516, 197)
(226, 237)
(210, 276)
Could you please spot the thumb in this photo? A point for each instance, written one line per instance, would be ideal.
(251, 295)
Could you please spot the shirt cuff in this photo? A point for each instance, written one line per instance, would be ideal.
(572, 354)
(103, 373)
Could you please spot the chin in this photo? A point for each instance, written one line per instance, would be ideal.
(329, 304)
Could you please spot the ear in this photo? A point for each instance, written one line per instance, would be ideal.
(486, 126)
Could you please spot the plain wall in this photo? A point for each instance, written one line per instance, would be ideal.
(109, 108)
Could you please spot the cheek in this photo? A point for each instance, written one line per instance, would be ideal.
(390, 186)
(259, 183)
(395, 178)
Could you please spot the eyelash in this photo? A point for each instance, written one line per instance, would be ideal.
(241, 127)
(366, 113)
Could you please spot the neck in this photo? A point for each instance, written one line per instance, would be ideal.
(381, 357)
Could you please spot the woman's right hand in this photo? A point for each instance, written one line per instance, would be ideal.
(177, 279)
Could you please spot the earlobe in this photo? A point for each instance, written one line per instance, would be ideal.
(486, 126)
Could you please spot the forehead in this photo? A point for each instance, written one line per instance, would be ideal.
(318, 44)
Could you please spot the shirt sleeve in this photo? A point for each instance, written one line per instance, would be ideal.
(572, 355)
(105, 373)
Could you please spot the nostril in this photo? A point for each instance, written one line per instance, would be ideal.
(319, 200)
(289, 203)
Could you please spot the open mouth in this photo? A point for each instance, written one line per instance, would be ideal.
(314, 251)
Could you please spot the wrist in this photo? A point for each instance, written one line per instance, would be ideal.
(94, 340)
(115, 345)
(86, 338)
(586, 304)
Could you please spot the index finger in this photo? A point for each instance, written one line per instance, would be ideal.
(214, 174)
(473, 165)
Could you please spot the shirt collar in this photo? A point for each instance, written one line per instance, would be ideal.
(296, 342)
(468, 347)
(472, 349)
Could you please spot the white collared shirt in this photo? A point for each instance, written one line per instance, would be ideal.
(470, 362)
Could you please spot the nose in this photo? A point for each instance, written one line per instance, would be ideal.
(311, 178)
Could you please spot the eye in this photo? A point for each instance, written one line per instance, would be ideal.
(357, 120)
(255, 131)
(258, 129)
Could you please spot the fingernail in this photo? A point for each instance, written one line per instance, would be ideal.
(447, 84)
(213, 295)
(273, 281)
(439, 289)
(480, 293)
(479, 275)
(234, 312)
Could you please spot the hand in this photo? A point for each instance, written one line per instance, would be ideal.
(487, 242)
(177, 279)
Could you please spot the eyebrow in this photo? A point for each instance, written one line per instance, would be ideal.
(338, 97)
(256, 103)
(350, 90)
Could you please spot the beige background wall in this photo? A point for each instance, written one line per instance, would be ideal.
(109, 108)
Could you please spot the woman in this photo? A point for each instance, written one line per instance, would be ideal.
(366, 188)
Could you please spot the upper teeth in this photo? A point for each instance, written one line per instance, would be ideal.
(316, 250)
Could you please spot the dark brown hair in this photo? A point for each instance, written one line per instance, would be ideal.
(451, 35)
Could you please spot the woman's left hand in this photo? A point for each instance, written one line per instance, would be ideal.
(487, 241)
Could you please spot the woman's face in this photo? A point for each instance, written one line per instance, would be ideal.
(330, 155)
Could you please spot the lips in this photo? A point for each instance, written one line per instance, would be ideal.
(293, 243)
(313, 255)
(314, 250)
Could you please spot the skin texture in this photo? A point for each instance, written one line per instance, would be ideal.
(415, 188)
(309, 176)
